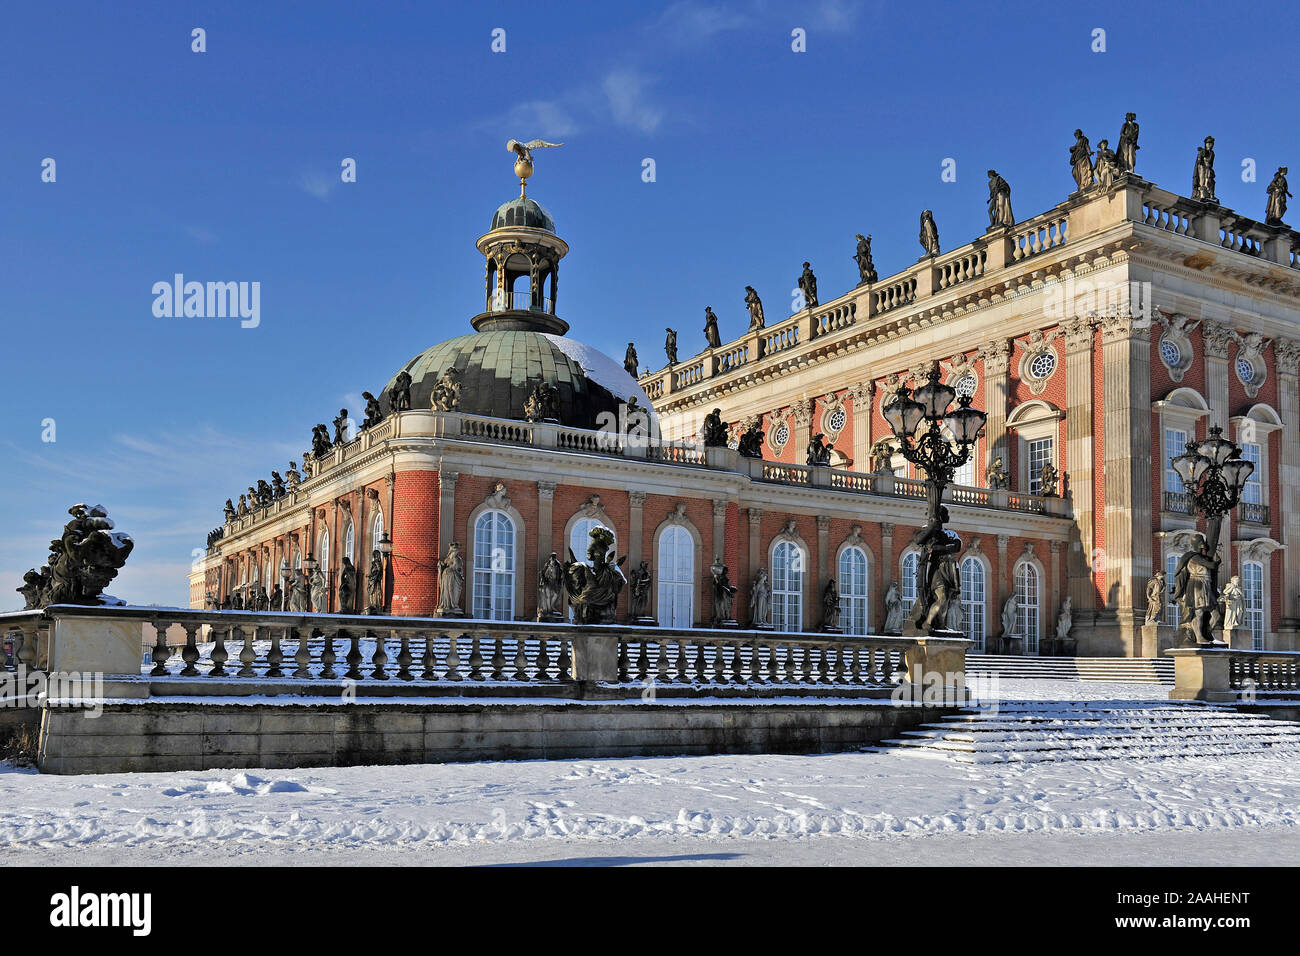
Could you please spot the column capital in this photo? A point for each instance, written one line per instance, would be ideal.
(863, 393)
(802, 412)
(1078, 331)
(1123, 326)
(755, 516)
(1288, 355)
(719, 507)
(1217, 338)
(1003, 541)
(823, 523)
(546, 490)
(887, 528)
(448, 479)
(635, 498)
(996, 356)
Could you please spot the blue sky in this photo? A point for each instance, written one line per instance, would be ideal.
(224, 166)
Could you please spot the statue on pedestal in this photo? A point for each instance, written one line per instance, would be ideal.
(760, 601)
(894, 611)
(319, 593)
(1128, 144)
(724, 594)
(594, 586)
(550, 590)
(374, 414)
(808, 286)
(711, 336)
(1233, 600)
(929, 234)
(1047, 480)
(375, 583)
(292, 477)
(1000, 215)
(399, 395)
(1194, 593)
(320, 441)
(751, 442)
(639, 595)
(866, 268)
(1277, 197)
(543, 404)
(1009, 609)
(714, 431)
(755, 306)
(1203, 173)
(831, 608)
(446, 392)
(1106, 170)
(1064, 620)
(1081, 160)
(451, 582)
(670, 346)
(243, 507)
(1155, 597)
(229, 511)
(277, 486)
(995, 475)
(630, 360)
(937, 576)
(341, 427)
(347, 587)
(819, 452)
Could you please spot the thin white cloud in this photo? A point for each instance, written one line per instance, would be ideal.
(689, 24)
(316, 183)
(545, 119)
(627, 93)
(199, 234)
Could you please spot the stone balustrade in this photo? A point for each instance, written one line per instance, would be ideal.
(245, 651)
(1228, 675)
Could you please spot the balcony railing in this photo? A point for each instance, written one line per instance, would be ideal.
(1177, 503)
(1253, 512)
(520, 302)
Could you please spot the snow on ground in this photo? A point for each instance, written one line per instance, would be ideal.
(855, 807)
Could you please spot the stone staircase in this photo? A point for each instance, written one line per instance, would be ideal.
(1140, 670)
(1037, 731)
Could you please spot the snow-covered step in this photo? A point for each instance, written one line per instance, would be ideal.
(1035, 731)
(1110, 669)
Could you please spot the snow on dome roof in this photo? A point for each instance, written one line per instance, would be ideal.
(600, 368)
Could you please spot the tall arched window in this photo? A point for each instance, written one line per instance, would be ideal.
(580, 536)
(676, 577)
(1171, 606)
(324, 548)
(1252, 583)
(1027, 599)
(377, 530)
(349, 542)
(494, 566)
(973, 600)
(788, 564)
(909, 581)
(853, 590)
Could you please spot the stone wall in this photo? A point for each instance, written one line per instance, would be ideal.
(189, 736)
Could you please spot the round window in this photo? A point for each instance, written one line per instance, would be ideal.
(1245, 371)
(1171, 353)
(1042, 365)
(835, 420)
(780, 435)
(965, 386)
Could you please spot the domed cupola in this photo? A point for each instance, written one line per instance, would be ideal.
(518, 341)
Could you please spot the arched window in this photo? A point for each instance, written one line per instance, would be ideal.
(1027, 600)
(973, 601)
(494, 566)
(377, 530)
(853, 591)
(909, 581)
(1171, 606)
(324, 556)
(580, 536)
(676, 577)
(788, 564)
(349, 543)
(1252, 583)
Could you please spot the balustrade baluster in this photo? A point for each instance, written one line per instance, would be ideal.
(683, 666)
(498, 660)
(661, 662)
(275, 656)
(700, 663)
(404, 656)
(190, 653)
(453, 659)
(737, 662)
(475, 660)
(354, 656)
(430, 659)
(161, 652)
(565, 663)
(543, 660)
(642, 661)
(219, 653)
(327, 655)
(623, 668)
(246, 654)
(521, 657)
(303, 655)
(379, 660)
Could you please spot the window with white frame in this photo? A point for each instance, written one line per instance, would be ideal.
(580, 536)
(1253, 492)
(1039, 452)
(1175, 445)
(788, 565)
(1252, 584)
(349, 542)
(376, 531)
(494, 566)
(1027, 601)
(973, 600)
(1171, 571)
(909, 581)
(676, 577)
(324, 551)
(965, 474)
(853, 590)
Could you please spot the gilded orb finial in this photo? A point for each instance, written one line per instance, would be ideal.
(524, 163)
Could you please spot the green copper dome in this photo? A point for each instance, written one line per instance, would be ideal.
(523, 212)
(499, 369)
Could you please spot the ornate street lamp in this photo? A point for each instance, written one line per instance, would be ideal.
(1213, 474)
(284, 577)
(917, 420)
(386, 551)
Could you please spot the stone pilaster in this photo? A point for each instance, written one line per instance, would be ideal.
(446, 510)
(1217, 338)
(1126, 356)
(802, 413)
(823, 557)
(1288, 475)
(1002, 584)
(719, 529)
(887, 571)
(1054, 588)
(545, 521)
(997, 362)
(1079, 337)
(755, 540)
(636, 506)
(864, 394)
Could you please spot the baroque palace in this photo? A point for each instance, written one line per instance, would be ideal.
(1099, 336)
